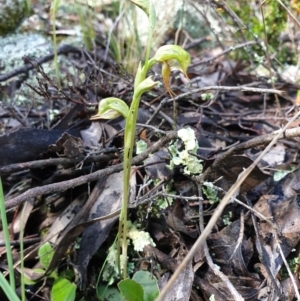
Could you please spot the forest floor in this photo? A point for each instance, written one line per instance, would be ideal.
(61, 171)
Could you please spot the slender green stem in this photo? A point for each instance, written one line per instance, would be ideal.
(128, 151)
(149, 43)
(7, 239)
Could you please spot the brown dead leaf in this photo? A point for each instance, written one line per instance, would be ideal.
(230, 169)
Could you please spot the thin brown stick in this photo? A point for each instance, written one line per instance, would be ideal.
(235, 294)
(287, 266)
(8, 169)
(224, 89)
(241, 235)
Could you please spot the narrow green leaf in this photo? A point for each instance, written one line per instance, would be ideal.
(46, 253)
(7, 238)
(131, 290)
(9, 291)
(148, 7)
(148, 283)
(63, 290)
(55, 6)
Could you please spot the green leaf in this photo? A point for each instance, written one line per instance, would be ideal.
(63, 290)
(131, 290)
(111, 108)
(46, 253)
(6, 287)
(148, 283)
(109, 294)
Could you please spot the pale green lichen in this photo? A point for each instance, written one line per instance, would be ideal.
(139, 238)
(211, 192)
(187, 157)
(15, 47)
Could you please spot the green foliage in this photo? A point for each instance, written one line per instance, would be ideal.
(7, 240)
(45, 254)
(141, 146)
(227, 218)
(131, 290)
(207, 96)
(139, 240)
(275, 17)
(148, 283)
(63, 290)
(142, 287)
(86, 23)
(7, 287)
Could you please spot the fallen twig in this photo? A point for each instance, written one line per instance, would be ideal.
(62, 186)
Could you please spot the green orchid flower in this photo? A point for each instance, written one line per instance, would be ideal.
(172, 57)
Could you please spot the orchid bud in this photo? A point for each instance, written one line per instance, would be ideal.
(111, 108)
(146, 85)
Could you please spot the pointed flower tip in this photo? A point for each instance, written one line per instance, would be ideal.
(95, 117)
(146, 85)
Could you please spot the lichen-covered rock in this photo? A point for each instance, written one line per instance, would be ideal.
(15, 47)
(12, 13)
